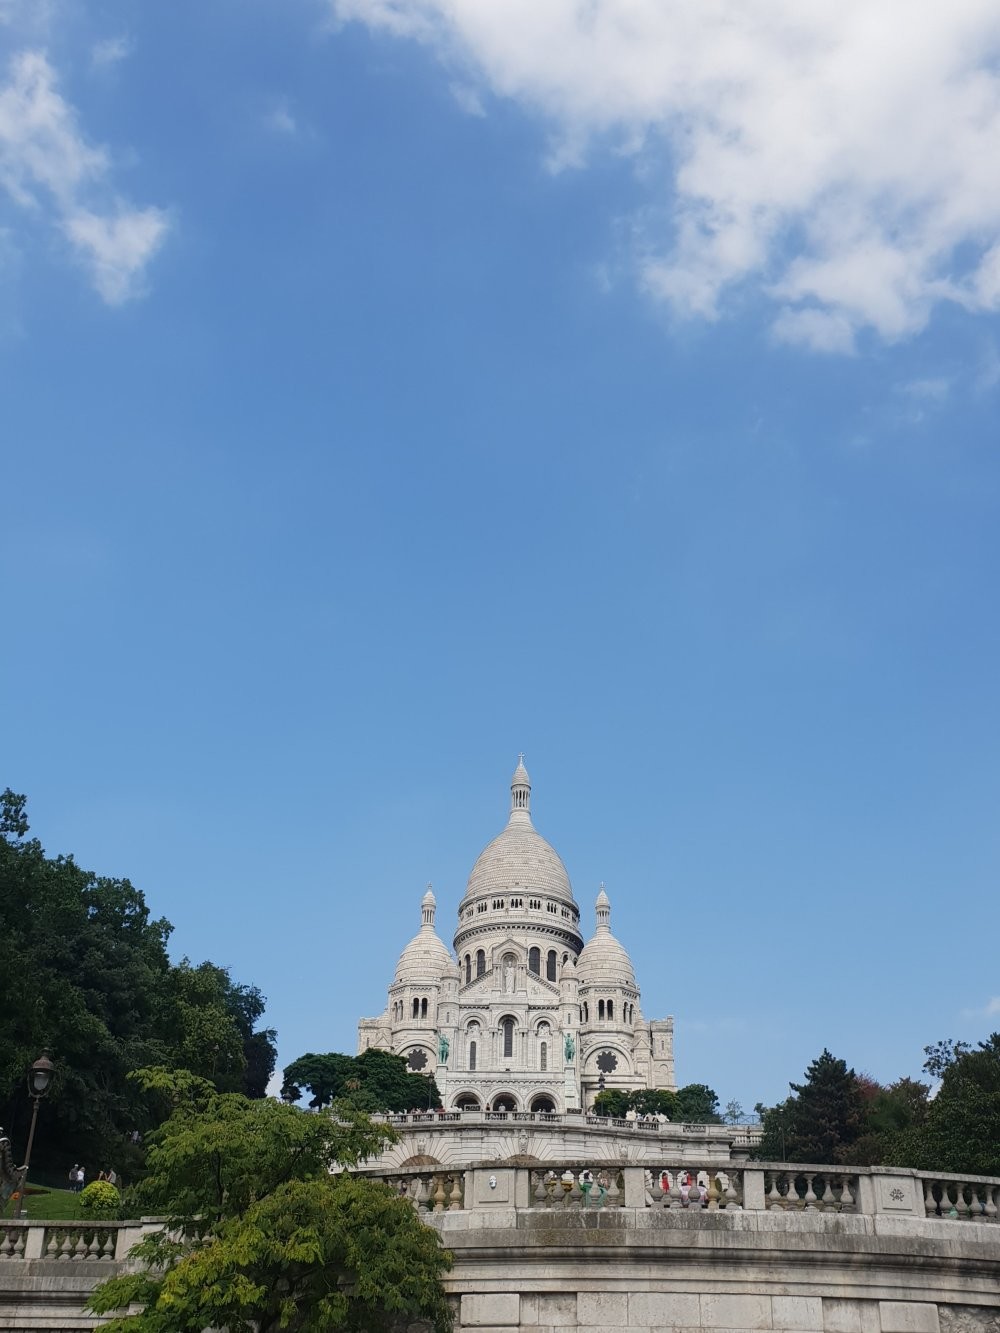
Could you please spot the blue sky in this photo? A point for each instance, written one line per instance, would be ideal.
(391, 386)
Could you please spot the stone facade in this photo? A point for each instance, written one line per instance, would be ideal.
(523, 1016)
(525, 1263)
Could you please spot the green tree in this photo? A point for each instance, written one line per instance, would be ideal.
(960, 1128)
(372, 1081)
(821, 1121)
(262, 1235)
(84, 971)
(697, 1103)
(613, 1102)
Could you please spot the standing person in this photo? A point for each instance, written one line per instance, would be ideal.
(72, 1176)
(81, 1177)
(111, 1176)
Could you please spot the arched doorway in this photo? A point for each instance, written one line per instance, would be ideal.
(467, 1102)
(504, 1102)
(543, 1104)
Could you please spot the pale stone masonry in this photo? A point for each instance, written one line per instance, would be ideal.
(523, 1016)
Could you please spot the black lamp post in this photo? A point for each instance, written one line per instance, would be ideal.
(39, 1078)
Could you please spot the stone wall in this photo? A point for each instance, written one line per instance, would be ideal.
(758, 1247)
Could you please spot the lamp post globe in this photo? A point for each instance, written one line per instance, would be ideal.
(40, 1075)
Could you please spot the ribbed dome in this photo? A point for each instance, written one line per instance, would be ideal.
(520, 858)
(426, 957)
(604, 961)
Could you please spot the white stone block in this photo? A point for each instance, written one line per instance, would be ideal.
(797, 1312)
(743, 1312)
(841, 1315)
(494, 1308)
(663, 1309)
(908, 1317)
(557, 1309)
(605, 1309)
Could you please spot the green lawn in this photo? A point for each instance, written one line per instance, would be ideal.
(59, 1205)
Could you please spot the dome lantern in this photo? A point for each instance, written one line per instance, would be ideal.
(520, 794)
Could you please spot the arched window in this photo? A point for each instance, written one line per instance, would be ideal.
(423, 1008)
(507, 1028)
(468, 968)
(416, 1008)
(586, 1012)
(535, 960)
(543, 1056)
(600, 1009)
(565, 959)
(611, 1010)
(472, 1055)
(550, 965)
(480, 962)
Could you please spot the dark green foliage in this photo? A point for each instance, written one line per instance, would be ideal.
(821, 1121)
(373, 1081)
(695, 1103)
(262, 1236)
(84, 971)
(960, 1129)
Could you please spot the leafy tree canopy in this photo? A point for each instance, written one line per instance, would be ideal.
(261, 1235)
(372, 1081)
(960, 1128)
(84, 972)
(695, 1103)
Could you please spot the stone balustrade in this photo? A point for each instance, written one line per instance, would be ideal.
(589, 1244)
(70, 1242)
(695, 1187)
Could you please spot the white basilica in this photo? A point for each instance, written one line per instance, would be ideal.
(524, 1016)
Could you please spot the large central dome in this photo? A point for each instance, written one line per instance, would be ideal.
(519, 857)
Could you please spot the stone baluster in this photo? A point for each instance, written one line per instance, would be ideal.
(576, 1196)
(828, 1203)
(964, 1211)
(810, 1201)
(676, 1197)
(792, 1200)
(613, 1197)
(540, 1193)
(714, 1192)
(773, 1197)
(694, 1194)
(439, 1195)
(930, 1203)
(731, 1194)
(656, 1192)
(990, 1207)
(456, 1193)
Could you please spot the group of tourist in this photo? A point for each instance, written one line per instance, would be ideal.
(78, 1177)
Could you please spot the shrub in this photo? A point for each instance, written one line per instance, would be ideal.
(100, 1199)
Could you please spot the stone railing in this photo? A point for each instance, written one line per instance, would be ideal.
(69, 1242)
(694, 1188)
(748, 1134)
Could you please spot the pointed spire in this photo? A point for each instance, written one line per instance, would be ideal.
(520, 794)
(603, 910)
(428, 906)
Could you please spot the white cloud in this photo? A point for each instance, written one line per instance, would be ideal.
(837, 157)
(55, 176)
(110, 51)
(990, 1010)
(281, 121)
